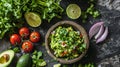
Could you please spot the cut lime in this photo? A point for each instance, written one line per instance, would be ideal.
(33, 19)
(73, 11)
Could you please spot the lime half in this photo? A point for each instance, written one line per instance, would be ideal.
(73, 11)
(33, 19)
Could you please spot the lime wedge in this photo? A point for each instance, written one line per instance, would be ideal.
(73, 11)
(33, 19)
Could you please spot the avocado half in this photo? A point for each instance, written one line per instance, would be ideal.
(6, 58)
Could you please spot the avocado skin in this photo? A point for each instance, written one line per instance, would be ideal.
(24, 61)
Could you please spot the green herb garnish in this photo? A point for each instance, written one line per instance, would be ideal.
(12, 11)
(91, 10)
(37, 59)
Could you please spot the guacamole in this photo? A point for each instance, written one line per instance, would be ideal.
(66, 42)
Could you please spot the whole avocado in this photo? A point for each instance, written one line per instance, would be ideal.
(24, 61)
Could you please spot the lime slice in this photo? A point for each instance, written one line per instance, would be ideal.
(73, 11)
(33, 19)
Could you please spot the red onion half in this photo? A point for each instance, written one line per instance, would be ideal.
(94, 29)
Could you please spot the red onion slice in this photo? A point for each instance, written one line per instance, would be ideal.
(103, 37)
(99, 34)
(94, 29)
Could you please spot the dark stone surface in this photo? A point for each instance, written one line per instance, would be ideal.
(105, 54)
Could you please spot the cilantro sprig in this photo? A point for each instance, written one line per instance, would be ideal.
(37, 59)
(11, 11)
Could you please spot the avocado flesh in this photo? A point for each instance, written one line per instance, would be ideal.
(7, 57)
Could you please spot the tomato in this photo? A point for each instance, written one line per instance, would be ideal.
(24, 32)
(35, 36)
(81, 35)
(27, 46)
(15, 39)
(64, 53)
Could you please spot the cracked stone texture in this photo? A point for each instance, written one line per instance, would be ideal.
(110, 4)
(110, 10)
(110, 62)
(105, 54)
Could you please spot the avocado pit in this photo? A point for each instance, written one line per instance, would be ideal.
(5, 58)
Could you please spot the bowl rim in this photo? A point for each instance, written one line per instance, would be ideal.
(73, 24)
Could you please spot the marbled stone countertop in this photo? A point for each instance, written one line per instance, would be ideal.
(110, 10)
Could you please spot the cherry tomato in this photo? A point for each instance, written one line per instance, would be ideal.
(27, 46)
(24, 32)
(35, 36)
(15, 39)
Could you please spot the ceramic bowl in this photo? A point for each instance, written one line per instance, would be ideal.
(76, 27)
